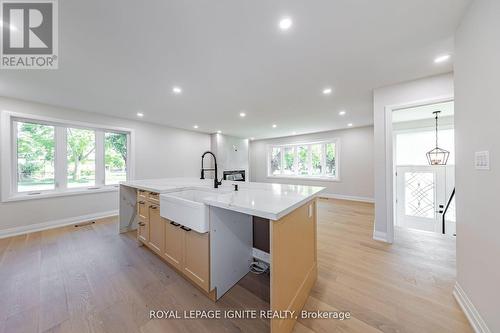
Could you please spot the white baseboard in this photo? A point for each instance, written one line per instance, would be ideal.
(475, 319)
(346, 197)
(380, 236)
(26, 229)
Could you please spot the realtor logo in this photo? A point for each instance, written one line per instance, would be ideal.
(29, 34)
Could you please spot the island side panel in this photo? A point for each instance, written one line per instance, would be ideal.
(127, 209)
(230, 248)
(293, 263)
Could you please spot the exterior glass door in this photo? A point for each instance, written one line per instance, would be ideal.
(421, 197)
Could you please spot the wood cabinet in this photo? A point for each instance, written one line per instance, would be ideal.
(142, 195)
(174, 244)
(154, 197)
(143, 209)
(156, 230)
(184, 249)
(143, 230)
(196, 258)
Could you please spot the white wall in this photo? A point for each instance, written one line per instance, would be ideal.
(477, 120)
(403, 94)
(160, 151)
(356, 161)
(223, 146)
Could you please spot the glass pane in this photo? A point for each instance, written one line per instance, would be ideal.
(81, 157)
(115, 157)
(35, 157)
(331, 160)
(276, 161)
(302, 161)
(412, 147)
(316, 152)
(419, 194)
(288, 168)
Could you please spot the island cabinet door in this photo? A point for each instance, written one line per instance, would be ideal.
(143, 230)
(174, 244)
(156, 230)
(196, 258)
(143, 209)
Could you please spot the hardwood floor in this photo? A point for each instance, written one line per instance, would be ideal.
(90, 279)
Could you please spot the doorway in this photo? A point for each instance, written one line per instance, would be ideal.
(423, 191)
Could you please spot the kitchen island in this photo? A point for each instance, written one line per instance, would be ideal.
(208, 234)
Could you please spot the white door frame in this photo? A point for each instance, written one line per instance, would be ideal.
(390, 185)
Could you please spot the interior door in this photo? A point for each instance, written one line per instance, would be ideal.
(421, 197)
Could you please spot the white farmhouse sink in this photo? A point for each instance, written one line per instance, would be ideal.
(187, 208)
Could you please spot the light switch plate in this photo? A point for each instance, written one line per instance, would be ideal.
(482, 160)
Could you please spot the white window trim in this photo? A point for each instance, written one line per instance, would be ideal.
(305, 143)
(8, 161)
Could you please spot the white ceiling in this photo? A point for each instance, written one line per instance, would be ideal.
(119, 57)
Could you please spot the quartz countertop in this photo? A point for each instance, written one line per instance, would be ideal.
(266, 200)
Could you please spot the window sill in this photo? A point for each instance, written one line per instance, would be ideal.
(55, 194)
(323, 179)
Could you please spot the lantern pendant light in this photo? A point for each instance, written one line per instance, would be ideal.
(437, 156)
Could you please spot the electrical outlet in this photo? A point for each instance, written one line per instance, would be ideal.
(482, 160)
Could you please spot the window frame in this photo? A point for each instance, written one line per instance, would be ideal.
(295, 146)
(9, 161)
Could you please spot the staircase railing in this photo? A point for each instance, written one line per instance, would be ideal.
(446, 210)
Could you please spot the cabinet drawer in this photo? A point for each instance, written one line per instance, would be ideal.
(142, 195)
(154, 197)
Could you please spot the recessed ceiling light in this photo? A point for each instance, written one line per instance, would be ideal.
(140, 114)
(252, 138)
(195, 126)
(294, 133)
(442, 58)
(342, 113)
(177, 90)
(349, 125)
(327, 91)
(274, 125)
(285, 23)
(243, 114)
(219, 132)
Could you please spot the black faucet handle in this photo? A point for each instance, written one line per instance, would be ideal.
(235, 187)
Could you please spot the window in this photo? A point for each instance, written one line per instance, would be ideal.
(51, 157)
(412, 146)
(305, 160)
(276, 161)
(35, 157)
(81, 157)
(115, 157)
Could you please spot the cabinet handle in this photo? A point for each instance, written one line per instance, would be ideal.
(174, 224)
(185, 228)
(142, 224)
(153, 207)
